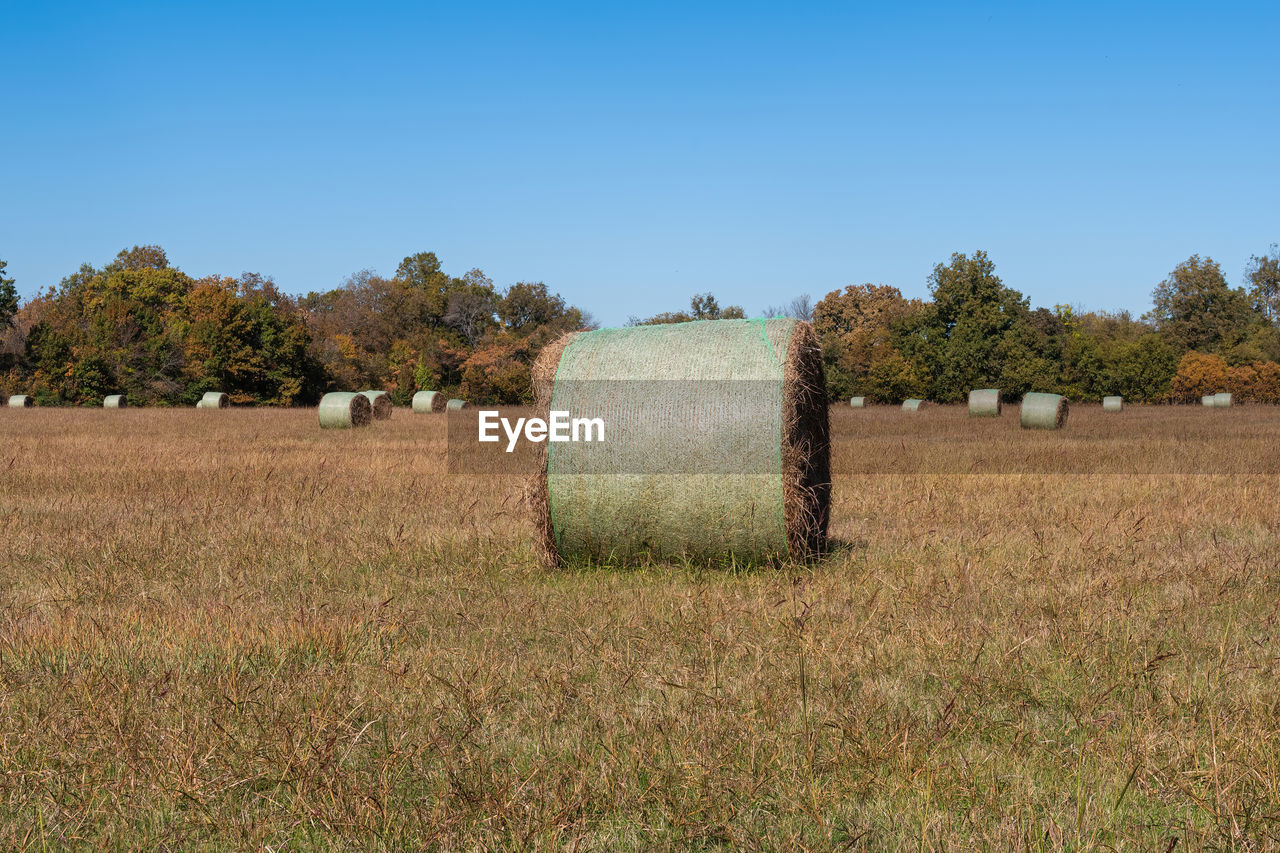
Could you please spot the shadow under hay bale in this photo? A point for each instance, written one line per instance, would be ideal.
(985, 403)
(1112, 404)
(427, 402)
(344, 410)
(913, 405)
(381, 403)
(737, 449)
(214, 400)
(114, 401)
(21, 401)
(1044, 411)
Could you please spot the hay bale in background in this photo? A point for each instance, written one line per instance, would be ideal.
(1044, 411)
(1112, 404)
(985, 403)
(737, 445)
(912, 405)
(1222, 401)
(21, 401)
(858, 402)
(114, 401)
(345, 409)
(456, 405)
(214, 400)
(381, 403)
(426, 402)
(1207, 400)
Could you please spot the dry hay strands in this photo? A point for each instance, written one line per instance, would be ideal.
(913, 405)
(1112, 404)
(1222, 401)
(427, 402)
(381, 403)
(1044, 411)
(722, 452)
(345, 409)
(456, 405)
(114, 401)
(985, 403)
(857, 402)
(214, 400)
(21, 401)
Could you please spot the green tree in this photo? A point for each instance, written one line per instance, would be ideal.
(8, 298)
(1263, 274)
(703, 306)
(1196, 309)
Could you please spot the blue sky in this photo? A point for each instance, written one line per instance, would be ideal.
(630, 155)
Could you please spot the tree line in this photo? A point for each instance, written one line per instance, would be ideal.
(141, 327)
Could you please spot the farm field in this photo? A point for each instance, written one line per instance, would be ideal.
(230, 629)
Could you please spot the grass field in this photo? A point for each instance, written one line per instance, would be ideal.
(231, 630)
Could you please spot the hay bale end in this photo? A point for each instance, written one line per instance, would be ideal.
(1044, 411)
(345, 410)
(427, 402)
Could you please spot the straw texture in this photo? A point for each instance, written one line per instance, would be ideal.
(985, 403)
(1044, 411)
(381, 403)
(1112, 404)
(728, 459)
(912, 405)
(345, 409)
(21, 401)
(114, 401)
(426, 402)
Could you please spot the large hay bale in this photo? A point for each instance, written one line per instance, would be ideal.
(21, 401)
(345, 409)
(114, 401)
(913, 405)
(1222, 401)
(717, 444)
(858, 402)
(214, 400)
(1044, 411)
(456, 405)
(426, 402)
(985, 403)
(381, 403)
(1112, 404)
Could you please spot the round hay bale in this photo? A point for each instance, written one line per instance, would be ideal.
(21, 401)
(381, 402)
(1044, 411)
(345, 409)
(1207, 400)
(426, 402)
(114, 401)
(214, 400)
(985, 403)
(1222, 401)
(912, 405)
(1112, 404)
(456, 405)
(858, 402)
(722, 449)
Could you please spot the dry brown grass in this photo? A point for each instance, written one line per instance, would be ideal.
(214, 636)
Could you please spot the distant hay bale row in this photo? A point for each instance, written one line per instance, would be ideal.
(345, 410)
(1112, 404)
(985, 403)
(214, 400)
(381, 403)
(1044, 411)
(114, 401)
(21, 401)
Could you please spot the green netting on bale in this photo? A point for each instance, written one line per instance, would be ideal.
(455, 405)
(21, 401)
(214, 400)
(1207, 400)
(1112, 404)
(1222, 401)
(985, 403)
(426, 402)
(858, 402)
(718, 417)
(912, 405)
(113, 401)
(344, 409)
(1044, 411)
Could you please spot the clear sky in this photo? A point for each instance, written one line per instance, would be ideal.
(632, 154)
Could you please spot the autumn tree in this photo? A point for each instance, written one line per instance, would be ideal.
(856, 329)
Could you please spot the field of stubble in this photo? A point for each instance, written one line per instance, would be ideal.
(231, 630)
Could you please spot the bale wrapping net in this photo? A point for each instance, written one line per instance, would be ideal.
(1112, 404)
(858, 402)
(1207, 400)
(912, 405)
(345, 409)
(455, 405)
(985, 403)
(1222, 401)
(214, 400)
(21, 401)
(113, 401)
(426, 402)
(381, 403)
(720, 443)
(1044, 411)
